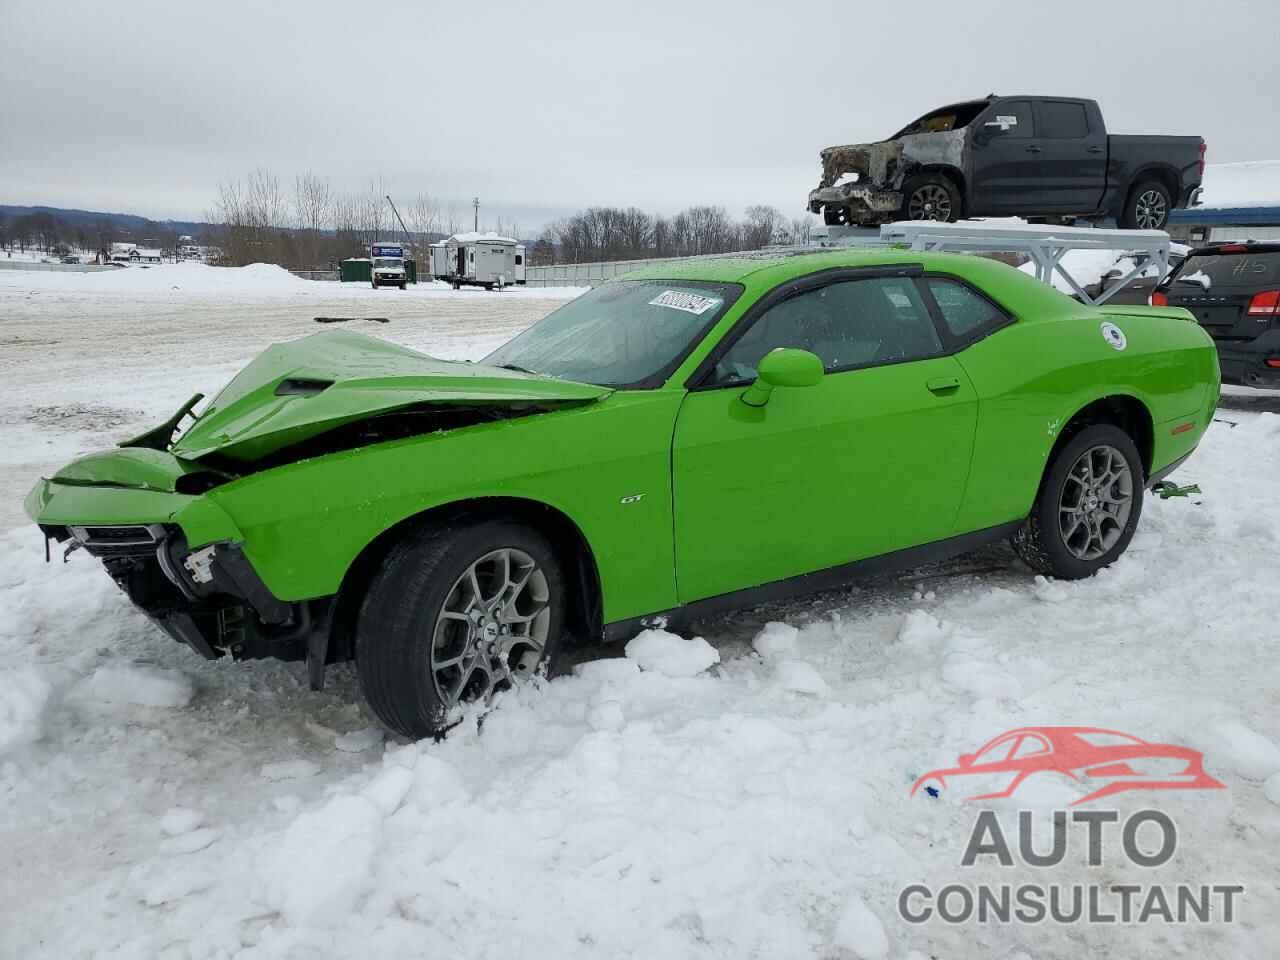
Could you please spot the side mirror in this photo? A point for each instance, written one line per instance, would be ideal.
(783, 367)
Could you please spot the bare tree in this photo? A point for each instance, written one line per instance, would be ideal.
(312, 210)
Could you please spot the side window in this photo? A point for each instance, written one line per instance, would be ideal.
(1012, 119)
(965, 314)
(1063, 121)
(852, 323)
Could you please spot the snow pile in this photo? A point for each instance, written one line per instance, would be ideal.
(186, 277)
(671, 655)
(137, 685)
(1251, 183)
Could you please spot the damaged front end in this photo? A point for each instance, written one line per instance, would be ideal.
(157, 511)
(862, 182)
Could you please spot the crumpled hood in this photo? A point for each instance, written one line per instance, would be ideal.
(297, 390)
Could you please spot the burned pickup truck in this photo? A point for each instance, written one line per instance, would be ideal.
(1042, 158)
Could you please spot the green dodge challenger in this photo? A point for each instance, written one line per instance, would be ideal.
(681, 441)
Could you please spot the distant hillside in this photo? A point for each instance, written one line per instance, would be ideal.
(121, 222)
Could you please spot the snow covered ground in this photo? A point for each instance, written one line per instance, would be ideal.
(741, 795)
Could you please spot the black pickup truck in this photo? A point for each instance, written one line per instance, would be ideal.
(1042, 158)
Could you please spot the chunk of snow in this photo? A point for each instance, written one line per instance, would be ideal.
(290, 769)
(320, 868)
(181, 820)
(671, 655)
(138, 685)
(389, 789)
(775, 640)
(24, 693)
(1049, 591)
(358, 740)
(921, 628)
(799, 677)
(861, 931)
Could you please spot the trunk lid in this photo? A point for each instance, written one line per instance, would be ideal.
(295, 391)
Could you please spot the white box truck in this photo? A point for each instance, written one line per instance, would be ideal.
(387, 265)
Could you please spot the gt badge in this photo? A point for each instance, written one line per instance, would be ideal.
(1114, 336)
(634, 498)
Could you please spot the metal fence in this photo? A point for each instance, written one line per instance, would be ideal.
(316, 274)
(54, 267)
(587, 274)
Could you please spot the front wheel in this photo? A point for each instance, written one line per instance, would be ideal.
(930, 196)
(1088, 506)
(454, 615)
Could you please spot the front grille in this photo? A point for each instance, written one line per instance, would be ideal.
(136, 540)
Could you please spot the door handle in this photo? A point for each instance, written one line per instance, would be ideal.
(1033, 149)
(943, 385)
(1095, 149)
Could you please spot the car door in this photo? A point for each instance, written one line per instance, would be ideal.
(1005, 172)
(871, 460)
(1073, 157)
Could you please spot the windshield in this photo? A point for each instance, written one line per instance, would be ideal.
(954, 117)
(387, 264)
(629, 333)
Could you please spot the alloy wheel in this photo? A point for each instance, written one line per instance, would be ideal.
(1096, 501)
(1151, 211)
(492, 629)
(930, 202)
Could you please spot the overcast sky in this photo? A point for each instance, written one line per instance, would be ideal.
(544, 107)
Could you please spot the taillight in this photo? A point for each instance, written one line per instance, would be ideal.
(1265, 304)
(1203, 147)
(1158, 299)
(1233, 248)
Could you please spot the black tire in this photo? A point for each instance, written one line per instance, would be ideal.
(931, 196)
(1147, 207)
(396, 628)
(404, 285)
(1041, 542)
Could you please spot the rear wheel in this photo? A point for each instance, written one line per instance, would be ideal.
(454, 615)
(1148, 207)
(1088, 505)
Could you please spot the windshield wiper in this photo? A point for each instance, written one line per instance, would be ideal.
(517, 368)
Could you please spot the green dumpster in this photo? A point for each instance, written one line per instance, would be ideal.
(356, 270)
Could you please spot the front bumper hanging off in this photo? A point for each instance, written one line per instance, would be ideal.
(210, 598)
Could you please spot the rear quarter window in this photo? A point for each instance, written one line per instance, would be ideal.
(966, 314)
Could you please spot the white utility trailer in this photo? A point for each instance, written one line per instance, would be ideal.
(478, 260)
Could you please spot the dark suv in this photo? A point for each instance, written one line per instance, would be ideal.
(1234, 291)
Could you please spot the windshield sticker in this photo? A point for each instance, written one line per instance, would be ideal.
(688, 302)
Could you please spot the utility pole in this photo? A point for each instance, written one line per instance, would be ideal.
(475, 202)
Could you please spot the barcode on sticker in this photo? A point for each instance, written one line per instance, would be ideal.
(688, 302)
